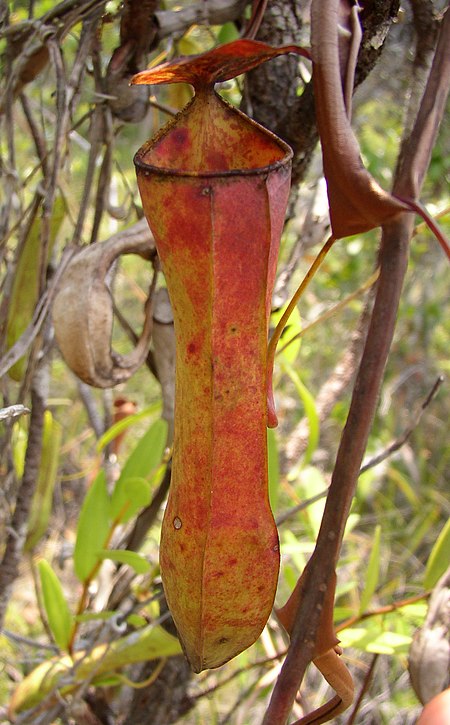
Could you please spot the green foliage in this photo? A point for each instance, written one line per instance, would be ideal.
(290, 343)
(132, 491)
(131, 558)
(123, 425)
(310, 409)
(152, 643)
(93, 528)
(373, 572)
(273, 468)
(147, 454)
(57, 610)
(41, 506)
(129, 496)
(25, 291)
(439, 558)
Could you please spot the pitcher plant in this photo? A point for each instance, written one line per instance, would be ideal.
(214, 187)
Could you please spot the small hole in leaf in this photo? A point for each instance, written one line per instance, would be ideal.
(177, 523)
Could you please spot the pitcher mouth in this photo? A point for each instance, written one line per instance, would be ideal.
(148, 160)
(150, 169)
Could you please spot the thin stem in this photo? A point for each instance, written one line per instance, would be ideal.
(332, 311)
(387, 609)
(274, 340)
(272, 421)
(364, 688)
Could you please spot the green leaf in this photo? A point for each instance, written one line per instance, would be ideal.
(41, 505)
(93, 528)
(405, 487)
(293, 550)
(227, 33)
(136, 621)
(55, 604)
(273, 468)
(132, 492)
(131, 558)
(424, 524)
(19, 447)
(370, 639)
(125, 423)
(309, 405)
(311, 482)
(25, 289)
(95, 616)
(130, 496)
(290, 576)
(389, 643)
(291, 330)
(148, 453)
(439, 558)
(372, 573)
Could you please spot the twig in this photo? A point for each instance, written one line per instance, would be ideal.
(37, 135)
(331, 311)
(387, 609)
(386, 453)
(239, 672)
(399, 442)
(363, 690)
(20, 639)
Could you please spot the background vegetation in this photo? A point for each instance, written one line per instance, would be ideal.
(69, 129)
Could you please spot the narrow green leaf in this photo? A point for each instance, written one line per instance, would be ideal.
(136, 621)
(424, 524)
(439, 558)
(273, 468)
(55, 604)
(93, 528)
(25, 290)
(311, 482)
(370, 639)
(95, 616)
(131, 558)
(41, 505)
(292, 329)
(19, 447)
(372, 573)
(389, 643)
(293, 550)
(309, 405)
(148, 452)
(130, 496)
(227, 33)
(290, 575)
(404, 485)
(125, 423)
(132, 492)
